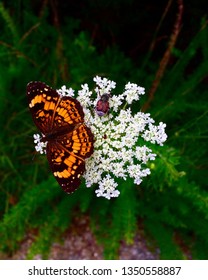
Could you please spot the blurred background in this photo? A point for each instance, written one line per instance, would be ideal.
(162, 47)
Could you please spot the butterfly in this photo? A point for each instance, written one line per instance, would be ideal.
(60, 120)
(102, 107)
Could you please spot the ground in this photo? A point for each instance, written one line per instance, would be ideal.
(79, 243)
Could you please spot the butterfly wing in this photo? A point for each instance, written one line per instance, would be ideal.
(50, 111)
(68, 114)
(67, 156)
(70, 141)
(82, 141)
(42, 103)
(66, 167)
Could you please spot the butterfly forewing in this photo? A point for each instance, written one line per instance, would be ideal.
(51, 112)
(68, 112)
(42, 103)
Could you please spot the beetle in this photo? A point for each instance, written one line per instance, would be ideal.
(102, 107)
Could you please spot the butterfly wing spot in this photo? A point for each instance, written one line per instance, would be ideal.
(40, 114)
(49, 106)
(36, 100)
(70, 161)
(63, 174)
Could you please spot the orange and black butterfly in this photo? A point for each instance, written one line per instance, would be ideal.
(60, 119)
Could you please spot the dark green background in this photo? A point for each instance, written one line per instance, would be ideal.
(69, 42)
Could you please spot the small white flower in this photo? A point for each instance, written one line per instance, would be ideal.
(104, 84)
(63, 91)
(107, 188)
(155, 134)
(115, 102)
(84, 96)
(132, 92)
(40, 145)
(126, 155)
(144, 154)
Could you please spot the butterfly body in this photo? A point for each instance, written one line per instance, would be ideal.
(69, 140)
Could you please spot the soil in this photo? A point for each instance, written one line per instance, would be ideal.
(79, 243)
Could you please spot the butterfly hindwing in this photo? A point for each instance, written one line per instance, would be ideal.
(82, 141)
(66, 167)
(66, 156)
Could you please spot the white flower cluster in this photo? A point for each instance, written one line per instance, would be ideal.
(132, 92)
(40, 146)
(63, 91)
(119, 150)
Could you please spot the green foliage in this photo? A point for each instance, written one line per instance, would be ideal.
(173, 199)
(117, 221)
